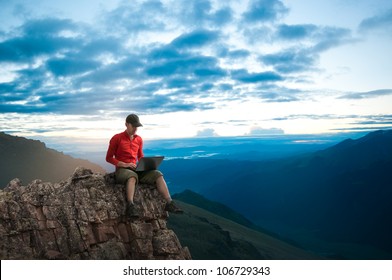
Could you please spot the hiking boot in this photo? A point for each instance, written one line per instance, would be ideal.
(131, 211)
(173, 208)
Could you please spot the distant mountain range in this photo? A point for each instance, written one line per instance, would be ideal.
(336, 201)
(30, 159)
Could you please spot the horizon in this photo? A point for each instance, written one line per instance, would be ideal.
(74, 70)
(213, 147)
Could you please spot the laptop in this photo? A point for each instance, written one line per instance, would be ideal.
(149, 163)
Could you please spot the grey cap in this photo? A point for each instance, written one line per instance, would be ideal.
(133, 120)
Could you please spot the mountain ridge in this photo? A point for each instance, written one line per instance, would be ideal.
(28, 159)
(339, 194)
(210, 236)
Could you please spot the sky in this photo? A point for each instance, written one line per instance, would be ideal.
(73, 70)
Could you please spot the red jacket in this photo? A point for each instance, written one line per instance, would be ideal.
(122, 148)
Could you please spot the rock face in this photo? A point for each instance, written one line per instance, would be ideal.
(83, 218)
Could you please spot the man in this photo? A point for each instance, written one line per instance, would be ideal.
(125, 150)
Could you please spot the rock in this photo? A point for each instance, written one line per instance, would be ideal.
(83, 218)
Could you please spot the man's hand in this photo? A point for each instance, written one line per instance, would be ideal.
(126, 165)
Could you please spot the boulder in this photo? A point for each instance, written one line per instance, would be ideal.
(83, 218)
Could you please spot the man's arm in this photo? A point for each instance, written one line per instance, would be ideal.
(111, 151)
(140, 153)
(110, 155)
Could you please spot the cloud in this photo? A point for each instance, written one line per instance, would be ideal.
(246, 77)
(355, 121)
(367, 94)
(47, 27)
(256, 130)
(304, 57)
(291, 60)
(186, 65)
(37, 38)
(203, 13)
(264, 11)
(195, 39)
(295, 32)
(71, 66)
(207, 132)
(331, 37)
(234, 54)
(159, 56)
(381, 22)
(133, 17)
(278, 97)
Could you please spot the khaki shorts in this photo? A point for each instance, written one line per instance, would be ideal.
(145, 177)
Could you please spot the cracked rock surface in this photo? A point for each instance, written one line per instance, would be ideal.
(83, 218)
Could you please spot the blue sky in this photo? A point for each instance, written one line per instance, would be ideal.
(74, 69)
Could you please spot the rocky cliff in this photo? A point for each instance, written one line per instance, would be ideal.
(83, 218)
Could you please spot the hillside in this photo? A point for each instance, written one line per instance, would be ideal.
(335, 201)
(30, 159)
(210, 236)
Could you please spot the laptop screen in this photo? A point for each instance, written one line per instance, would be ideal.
(149, 163)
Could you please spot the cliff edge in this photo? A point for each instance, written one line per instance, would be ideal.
(83, 218)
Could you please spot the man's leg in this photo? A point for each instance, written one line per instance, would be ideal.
(130, 189)
(129, 178)
(162, 188)
(155, 176)
(164, 191)
(131, 211)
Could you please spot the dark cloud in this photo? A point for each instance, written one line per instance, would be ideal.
(222, 16)
(304, 57)
(367, 94)
(131, 17)
(225, 87)
(128, 68)
(201, 13)
(166, 52)
(47, 27)
(246, 77)
(234, 54)
(71, 66)
(291, 60)
(164, 104)
(38, 37)
(25, 49)
(214, 71)
(186, 65)
(264, 11)
(331, 37)
(382, 22)
(296, 32)
(195, 39)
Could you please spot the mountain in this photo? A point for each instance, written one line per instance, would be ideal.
(335, 201)
(211, 236)
(30, 159)
(217, 208)
(83, 218)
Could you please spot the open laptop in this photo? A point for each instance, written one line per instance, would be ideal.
(149, 163)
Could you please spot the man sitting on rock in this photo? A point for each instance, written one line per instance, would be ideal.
(125, 149)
